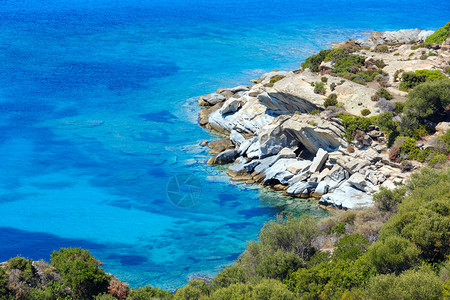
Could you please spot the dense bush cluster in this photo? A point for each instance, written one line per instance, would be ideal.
(413, 79)
(440, 35)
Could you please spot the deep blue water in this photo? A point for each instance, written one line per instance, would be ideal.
(98, 121)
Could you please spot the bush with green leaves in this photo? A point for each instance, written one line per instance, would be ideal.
(319, 88)
(351, 124)
(388, 199)
(383, 93)
(148, 292)
(394, 254)
(365, 112)
(331, 100)
(313, 62)
(4, 291)
(81, 272)
(399, 106)
(24, 266)
(423, 216)
(429, 98)
(413, 79)
(440, 35)
(265, 289)
(418, 285)
(351, 247)
(274, 79)
(379, 63)
(195, 289)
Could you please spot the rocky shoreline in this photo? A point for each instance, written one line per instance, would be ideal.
(280, 134)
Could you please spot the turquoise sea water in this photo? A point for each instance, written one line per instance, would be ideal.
(99, 120)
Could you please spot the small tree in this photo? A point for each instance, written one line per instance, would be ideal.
(81, 272)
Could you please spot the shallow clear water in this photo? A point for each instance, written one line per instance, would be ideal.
(98, 129)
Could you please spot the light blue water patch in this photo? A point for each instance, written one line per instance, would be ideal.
(98, 131)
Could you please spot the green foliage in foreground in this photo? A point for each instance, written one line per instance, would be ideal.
(440, 35)
(81, 272)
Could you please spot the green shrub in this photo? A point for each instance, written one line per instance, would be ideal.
(379, 63)
(324, 79)
(231, 275)
(444, 140)
(331, 100)
(319, 88)
(418, 285)
(393, 255)
(148, 292)
(351, 247)
(4, 292)
(347, 63)
(440, 35)
(387, 200)
(238, 291)
(437, 159)
(81, 272)
(399, 106)
(24, 265)
(314, 112)
(381, 49)
(429, 98)
(104, 297)
(313, 62)
(397, 54)
(365, 112)
(274, 79)
(194, 290)
(397, 72)
(265, 289)
(423, 216)
(351, 124)
(423, 57)
(383, 93)
(413, 79)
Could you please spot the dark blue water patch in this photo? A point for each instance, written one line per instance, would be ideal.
(162, 116)
(55, 185)
(129, 260)
(252, 212)
(237, 226)
(11, 197)
(115, 75)
(37, 245)
(125, 204)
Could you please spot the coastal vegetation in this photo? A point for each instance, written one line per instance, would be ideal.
(399, 247)
(440, 35)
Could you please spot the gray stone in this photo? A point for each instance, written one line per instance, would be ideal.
(230, 106)
(347, 197)
(322, 188)
(213, 98)
(242, 169)
(303, 176)
(278, 170)
(225, 157)
(245, 145)
(299, 167)
(240, 88)
(301, 187)
(358, 181)
(318, 161)
(236, 138)
(355, 165)
(253, 150)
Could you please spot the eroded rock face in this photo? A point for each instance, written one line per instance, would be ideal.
(404, 36)
(310, 132)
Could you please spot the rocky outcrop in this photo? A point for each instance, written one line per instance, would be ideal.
(282, 136)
